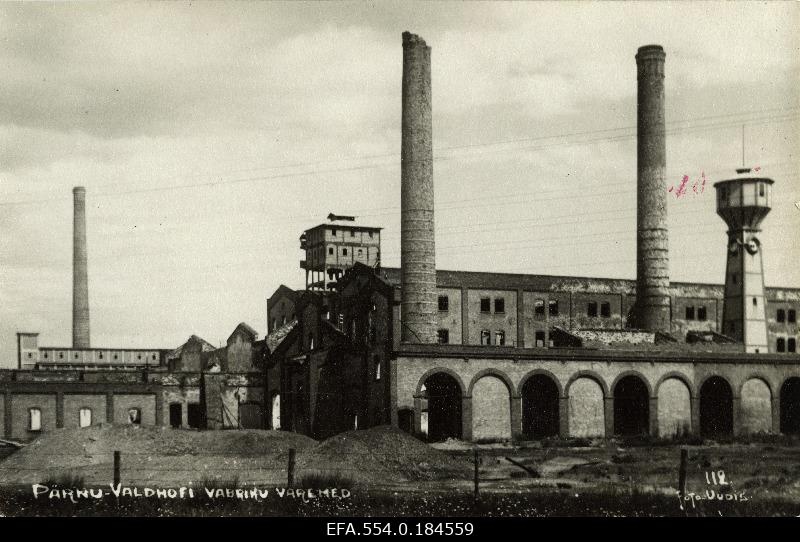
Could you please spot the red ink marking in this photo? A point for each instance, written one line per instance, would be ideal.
(682, 188)
(757, 168)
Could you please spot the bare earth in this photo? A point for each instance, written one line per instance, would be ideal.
(384, 458)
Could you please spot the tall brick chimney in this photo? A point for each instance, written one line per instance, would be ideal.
(652, 243)
(417, 250)
(80, 279)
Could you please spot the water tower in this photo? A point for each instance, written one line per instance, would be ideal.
(743, 202)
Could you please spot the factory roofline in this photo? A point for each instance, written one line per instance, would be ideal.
(514, 280)
(654, 353)
(339, 226)
(105, 349)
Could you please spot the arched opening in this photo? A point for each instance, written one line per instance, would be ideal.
(443, 395)
(631, 407)
(586, 408)
(539, 407)
(790, 406)
(491, 410)
(716, 407)
(674, 408)
(755, 411)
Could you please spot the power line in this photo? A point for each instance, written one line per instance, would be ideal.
(373, 166)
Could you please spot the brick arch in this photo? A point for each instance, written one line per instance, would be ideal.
(631, 372)
(757, 376)
(734, 389)
(587, 374)
(431, 372)
(543, 372)
(756, 409)
(679, 376)
(493, 372)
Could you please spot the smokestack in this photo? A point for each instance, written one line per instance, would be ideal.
(417, 250)
(80, 279)
(652, 243)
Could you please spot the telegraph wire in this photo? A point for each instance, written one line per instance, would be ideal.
(223, 182)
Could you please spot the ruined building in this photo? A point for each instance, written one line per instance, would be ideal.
(454, 353)
(512, 356)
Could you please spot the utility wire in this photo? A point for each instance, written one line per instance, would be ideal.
(222, 182)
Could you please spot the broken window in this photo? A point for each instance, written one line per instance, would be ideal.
(486, 337)
(500, 305)
(540, 339)
(605, 309)
(791, 345)
(134, 416)
(781, 315)
(761, 189)
(330, 251)
(553, 307)
(352, 233)
(333, 232)
(85, 417)
(755, 301)
(500, 338)
(344, 252)
(701, 314)
(591, 308)
(690, 313)
(792, 316)
(781, 345)
(538, 308)
(443, 336)
(34, 419)
(486, 304)
(444, 303)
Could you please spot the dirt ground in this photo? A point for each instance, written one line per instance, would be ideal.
(158, 456)
(384, 459)
(757, 470)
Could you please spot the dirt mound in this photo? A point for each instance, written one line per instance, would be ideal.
(157, 455)
(380, 455)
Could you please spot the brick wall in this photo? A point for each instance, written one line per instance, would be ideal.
(73, 403)
(146, 403)
(451, 318)
(584, 408)
(20, 406)
(674, 409)
(492, 320)
(756, 407)
(491, 419)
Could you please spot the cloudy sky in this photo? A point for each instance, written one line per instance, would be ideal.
(210, 135)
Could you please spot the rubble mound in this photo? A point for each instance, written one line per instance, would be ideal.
(380, 455)
(157, 455)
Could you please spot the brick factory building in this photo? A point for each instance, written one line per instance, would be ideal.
(456, 354)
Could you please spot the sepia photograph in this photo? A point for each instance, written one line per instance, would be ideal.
(399, 268)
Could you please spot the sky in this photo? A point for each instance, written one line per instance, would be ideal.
(210, 135)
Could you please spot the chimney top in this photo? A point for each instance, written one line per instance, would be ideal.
(412, 40)
(78, 189)
(741, 170)
(650, 52)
